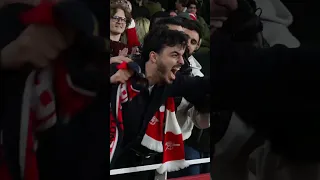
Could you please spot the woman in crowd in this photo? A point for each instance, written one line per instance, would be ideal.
(123, 33)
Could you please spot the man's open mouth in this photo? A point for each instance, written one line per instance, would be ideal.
(174, 70)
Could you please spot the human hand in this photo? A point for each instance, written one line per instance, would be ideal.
(119, 59)
(124, 52)
(121, 76)
(135, 50)
(219, 11)
(37, 44)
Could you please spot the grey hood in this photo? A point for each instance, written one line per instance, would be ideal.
(276, 19)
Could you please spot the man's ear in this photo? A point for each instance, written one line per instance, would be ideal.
(153, 57)
(199, 44)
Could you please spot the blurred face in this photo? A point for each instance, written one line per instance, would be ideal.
(219, 11)
(118, 22)
(194, 40)
(129, 6)
(179, 6)
(192, 9)
(169, 62)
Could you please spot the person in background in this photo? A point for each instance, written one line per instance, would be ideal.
(142, 26)
(130, 37)
(120, 18)
(153, 6)
(181, 6)
(193, 8)
(138, 10)
(158, 16)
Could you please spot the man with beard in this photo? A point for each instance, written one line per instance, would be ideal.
(161, 59)
(186, 115)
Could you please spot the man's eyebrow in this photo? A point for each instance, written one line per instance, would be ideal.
(175, 52)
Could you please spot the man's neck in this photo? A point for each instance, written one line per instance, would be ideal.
(150, 72)
(114, 37)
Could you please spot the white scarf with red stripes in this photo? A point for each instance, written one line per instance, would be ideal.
(39, 110)
(163, 133)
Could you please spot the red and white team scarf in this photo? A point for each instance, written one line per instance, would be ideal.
(163, 133)
(39, 113)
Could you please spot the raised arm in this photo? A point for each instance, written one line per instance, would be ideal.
(272, 78)
(196, 90)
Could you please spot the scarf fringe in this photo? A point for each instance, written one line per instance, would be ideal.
(152, 144)
(171, 166)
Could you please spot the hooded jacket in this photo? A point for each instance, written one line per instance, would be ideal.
(276, 19)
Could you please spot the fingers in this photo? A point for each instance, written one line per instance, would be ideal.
(123, 52)
(49, 52)
(126, 59)
(124, 75)
(40, 60)
(119, 59)
(121, 76)
(54, 36)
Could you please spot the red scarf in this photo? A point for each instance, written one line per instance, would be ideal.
(163, 133)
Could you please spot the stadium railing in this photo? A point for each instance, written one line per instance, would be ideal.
(162, 176)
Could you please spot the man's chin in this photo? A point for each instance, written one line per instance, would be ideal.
(169, 81)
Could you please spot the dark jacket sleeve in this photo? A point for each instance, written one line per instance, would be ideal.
(274, 90)
(196, 90)
(245, 77)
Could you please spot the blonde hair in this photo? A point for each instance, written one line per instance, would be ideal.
(142, 27)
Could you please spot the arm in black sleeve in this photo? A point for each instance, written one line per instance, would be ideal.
(274, 78)
(275, 91)
(196, 90)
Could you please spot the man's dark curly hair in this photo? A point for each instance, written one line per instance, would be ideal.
(157, 39)
(114, 8)
(170, 20)
(193, 26)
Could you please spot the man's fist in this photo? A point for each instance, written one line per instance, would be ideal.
(37, 44)
(121, 76)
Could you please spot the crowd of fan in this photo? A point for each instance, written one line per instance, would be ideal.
(130, 22)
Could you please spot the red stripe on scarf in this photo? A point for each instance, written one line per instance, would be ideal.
(70, 101)
(31, 165)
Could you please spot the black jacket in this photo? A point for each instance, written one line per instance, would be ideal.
(274, 90)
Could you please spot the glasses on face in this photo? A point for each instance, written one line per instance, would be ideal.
(119, 19)
(192, 7)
